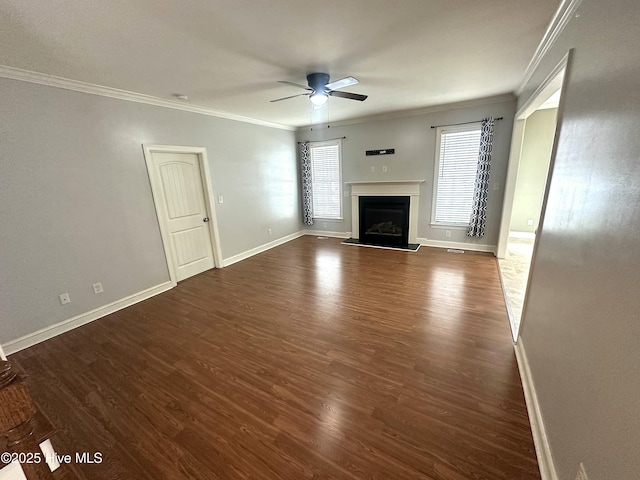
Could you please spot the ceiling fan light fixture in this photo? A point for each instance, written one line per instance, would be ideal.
(319, 99)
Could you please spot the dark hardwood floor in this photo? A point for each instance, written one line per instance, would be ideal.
(314, 360)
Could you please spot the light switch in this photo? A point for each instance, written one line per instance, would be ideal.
(220, 199)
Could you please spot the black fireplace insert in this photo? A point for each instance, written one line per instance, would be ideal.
(384, 221)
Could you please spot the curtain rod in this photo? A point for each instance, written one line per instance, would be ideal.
(325, 140)
(463, 123)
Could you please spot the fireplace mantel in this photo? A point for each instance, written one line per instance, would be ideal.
(410, 188)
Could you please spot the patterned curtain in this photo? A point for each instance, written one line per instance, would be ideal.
(305, 169)
(481, 192)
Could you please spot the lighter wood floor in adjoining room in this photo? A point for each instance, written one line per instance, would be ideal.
(313, 360)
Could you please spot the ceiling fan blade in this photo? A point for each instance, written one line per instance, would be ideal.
(349, 95)
(292, 96)
(343, 82)
(294, 84)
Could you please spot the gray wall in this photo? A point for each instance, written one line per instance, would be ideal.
(76, 205)
(414, 143)
(581, 326)
(532, 174)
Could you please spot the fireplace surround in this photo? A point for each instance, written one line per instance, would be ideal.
(399, 188)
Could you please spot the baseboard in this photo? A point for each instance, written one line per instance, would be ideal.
(49, 332)
(540, 440)
(514, 332)
(474, 247)
(324, 233)
(262, 248)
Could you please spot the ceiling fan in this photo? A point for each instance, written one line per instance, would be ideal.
(319, 89)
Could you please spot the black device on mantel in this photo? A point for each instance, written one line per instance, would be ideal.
(386, 151)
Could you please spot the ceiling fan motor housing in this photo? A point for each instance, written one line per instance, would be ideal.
(317, 81)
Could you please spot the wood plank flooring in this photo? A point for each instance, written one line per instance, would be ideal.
(314, 360)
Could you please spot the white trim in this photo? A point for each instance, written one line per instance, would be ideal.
(158, 201)
(563, 15)
(436, 167)
(452, 226)
(383, 182)
(53, 330)
(474, 247)
(2, 355)
(329, 143)
(549, 86)
(513, 165)
(551, 83)
(512, 324)
(540, 439)
(409, 188)
(528, 235)
(262, 248)
(325, 233)
(100, 90)
(507, 97)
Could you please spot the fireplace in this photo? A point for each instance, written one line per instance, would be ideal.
(382, 192)
(384, 220)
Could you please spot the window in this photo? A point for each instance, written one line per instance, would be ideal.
(326, 179)
(455, 174)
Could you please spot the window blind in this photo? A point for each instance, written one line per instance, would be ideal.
(457, 165)
(326, 184)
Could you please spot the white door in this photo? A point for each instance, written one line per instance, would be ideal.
(180, 202)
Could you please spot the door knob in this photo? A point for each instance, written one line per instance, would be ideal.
(205, 219)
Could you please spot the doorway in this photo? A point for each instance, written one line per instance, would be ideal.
(186, 215)
(528, 178)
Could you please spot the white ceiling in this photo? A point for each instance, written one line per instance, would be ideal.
(227, 55)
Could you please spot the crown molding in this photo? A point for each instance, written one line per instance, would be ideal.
(563, 15)
(92, 89)
(506, 97)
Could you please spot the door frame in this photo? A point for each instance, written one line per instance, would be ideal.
(553, 82)
(156, 191)
(556, 80)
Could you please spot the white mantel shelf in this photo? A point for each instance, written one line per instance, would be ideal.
(410, 188)
(385, 181)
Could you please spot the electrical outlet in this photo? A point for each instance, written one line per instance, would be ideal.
(447, 233)
(97, 288)
(269, 231)
(373, 169)
(530, 222)
(64, 298)
(582, 474)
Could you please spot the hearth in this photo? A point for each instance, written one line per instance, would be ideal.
(384, 221)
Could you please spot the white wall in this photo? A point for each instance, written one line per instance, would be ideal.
(581, 326)
(414, 142)
(76, 205)
(532, 173)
